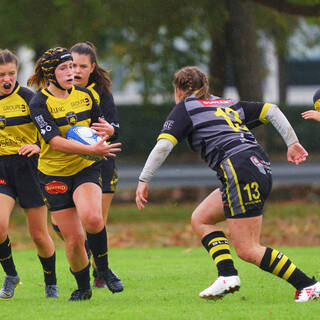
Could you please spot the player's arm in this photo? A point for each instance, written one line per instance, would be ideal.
(29, 150)
(175, 129)
(61, 144)
(110, 115)
(156, 158)
(99, 124)
(311, 115)
(296, 153)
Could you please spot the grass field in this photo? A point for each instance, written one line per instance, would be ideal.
(164, 268)
(162, 283)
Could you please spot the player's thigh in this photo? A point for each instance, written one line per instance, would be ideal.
(6, 206)
(88, 198)
(210, 210)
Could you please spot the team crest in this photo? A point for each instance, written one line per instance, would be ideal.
(3, 122)
(71, 118)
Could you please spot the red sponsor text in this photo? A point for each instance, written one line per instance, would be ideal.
(55, 187)
(214, 102)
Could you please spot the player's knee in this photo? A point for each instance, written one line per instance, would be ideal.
(194, 222)
(93, 223)
(3, 232)
(75, 243)
(41, 239)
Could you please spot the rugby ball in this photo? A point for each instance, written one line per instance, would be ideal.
(84, 135)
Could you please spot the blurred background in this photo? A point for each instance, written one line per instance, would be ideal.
(261, 50)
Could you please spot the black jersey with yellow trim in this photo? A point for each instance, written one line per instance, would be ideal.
(54, 116)
(108, 108)
(217, 128)
(16, 126)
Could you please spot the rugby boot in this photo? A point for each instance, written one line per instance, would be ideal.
(221, 287)
(9, 284)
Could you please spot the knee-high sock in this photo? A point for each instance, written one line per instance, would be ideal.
(49, 269)
(6, 258)
(218, 247)
(98, 245)
(280, 265)
(82, 277)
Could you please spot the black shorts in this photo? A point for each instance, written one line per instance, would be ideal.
(58, 190)
(109, 175)
(19, 179)
(246, 183)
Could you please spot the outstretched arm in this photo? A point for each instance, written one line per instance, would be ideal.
(156, 158)
(311, 114)
(296, 153)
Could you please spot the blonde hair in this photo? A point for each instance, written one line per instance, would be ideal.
(191, 80)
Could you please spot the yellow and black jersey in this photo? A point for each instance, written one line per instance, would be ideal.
(54, 116)
(108, 108)
(16, 126)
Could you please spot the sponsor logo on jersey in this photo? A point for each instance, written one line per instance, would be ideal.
(168, 125)
(16, 107)
(71, 118)
(263, 166)
(2, 181)
(80, 103)
(3, 122)
(56, 109)
(215, 102)
(55, 187)
(40, 121)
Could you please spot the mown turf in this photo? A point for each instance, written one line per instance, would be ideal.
(162, 283)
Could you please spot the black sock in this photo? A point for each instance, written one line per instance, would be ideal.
(86, 245)
(99, 248)
(83, 278)
(277, 263)
(6, 258)
(218, 247)
(49, 269)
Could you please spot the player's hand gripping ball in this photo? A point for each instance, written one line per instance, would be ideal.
(84, 135)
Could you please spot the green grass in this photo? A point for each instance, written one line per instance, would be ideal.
(162, 283)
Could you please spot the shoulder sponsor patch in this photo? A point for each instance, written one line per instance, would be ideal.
(55, 187)
(215, 102)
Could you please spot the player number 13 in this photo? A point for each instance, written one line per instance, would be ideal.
(252, 190)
